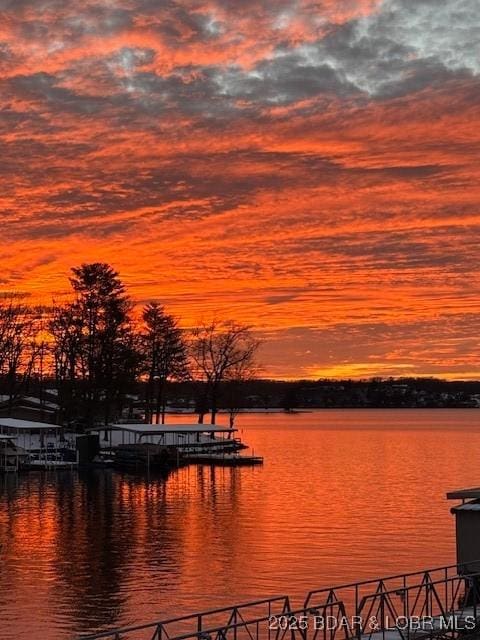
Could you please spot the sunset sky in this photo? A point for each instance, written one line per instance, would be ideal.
(310, 167)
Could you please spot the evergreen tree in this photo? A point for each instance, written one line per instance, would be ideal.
(164, 357)
(107, 347)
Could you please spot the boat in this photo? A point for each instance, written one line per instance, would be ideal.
(12, 457)
(146, 456)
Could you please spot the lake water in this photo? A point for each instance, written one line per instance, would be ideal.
(343, 495)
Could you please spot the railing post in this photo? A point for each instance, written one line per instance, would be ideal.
(407, 611)
(475, 587)
(429, 598)
(447, 608)
(269, 617)
(357, 605)
(382, 611)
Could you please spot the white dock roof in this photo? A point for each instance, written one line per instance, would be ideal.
(26, 425)
(159, 429)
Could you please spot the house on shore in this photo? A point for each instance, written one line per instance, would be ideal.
(29, 408)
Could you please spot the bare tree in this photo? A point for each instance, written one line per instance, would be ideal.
(16, 331)
(235, 383)
(39, 352)
(66, 329)
(217, 350)
(164, 357)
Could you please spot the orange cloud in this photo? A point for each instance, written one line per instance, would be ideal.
(245, 160)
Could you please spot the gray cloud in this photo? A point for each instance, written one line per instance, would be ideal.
(402, 47)
(405, 46)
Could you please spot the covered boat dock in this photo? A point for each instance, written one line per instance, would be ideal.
(183, 436)
(31, 435)
(38, 444)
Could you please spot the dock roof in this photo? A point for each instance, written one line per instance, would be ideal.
(464, 494)
(26, 425)
(159, 429)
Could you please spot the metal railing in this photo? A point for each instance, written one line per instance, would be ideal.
(441, 602)
(431, 608)
(198, 624)
(353, 592)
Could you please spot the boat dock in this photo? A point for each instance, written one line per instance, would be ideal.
(31, 445)
(187, 444)
(184, 436)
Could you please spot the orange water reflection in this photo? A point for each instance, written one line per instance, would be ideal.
(342, 495)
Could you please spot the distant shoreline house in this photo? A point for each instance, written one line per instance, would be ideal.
(29, 408)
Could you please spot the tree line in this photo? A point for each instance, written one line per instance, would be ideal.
(95, 350)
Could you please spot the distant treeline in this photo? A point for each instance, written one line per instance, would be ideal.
(256, 394)
(372, 393)
(94, 352)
